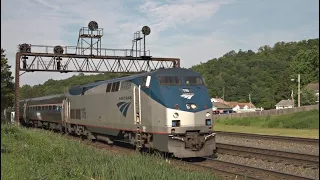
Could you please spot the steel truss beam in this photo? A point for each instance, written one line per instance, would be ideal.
(92, 64)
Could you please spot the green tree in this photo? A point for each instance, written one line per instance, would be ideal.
(306, 63)
(307, 97)
(266, 74)
(7, 85)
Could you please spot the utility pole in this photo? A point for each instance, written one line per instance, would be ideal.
(292, 98)
(223, 94)
(250, 100)
(298, 90)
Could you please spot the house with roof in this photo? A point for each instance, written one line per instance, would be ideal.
(314, 87)
(242, 107)
(284, 104)
(220, 108)
(235, 106)
(218, 100)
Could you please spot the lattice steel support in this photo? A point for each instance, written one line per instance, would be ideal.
(17, 89)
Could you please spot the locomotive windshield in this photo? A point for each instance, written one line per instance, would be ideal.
(193, 80)
(169, 80)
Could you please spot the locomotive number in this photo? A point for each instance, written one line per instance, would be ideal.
(125, 98)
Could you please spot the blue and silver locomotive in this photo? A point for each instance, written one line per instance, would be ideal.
(168, 110)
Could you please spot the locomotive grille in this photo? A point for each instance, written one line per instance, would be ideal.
(194, 141)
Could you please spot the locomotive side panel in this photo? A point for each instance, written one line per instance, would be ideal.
(104, 113)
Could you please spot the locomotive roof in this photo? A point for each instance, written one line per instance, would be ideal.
(158, 72)
(43, 98)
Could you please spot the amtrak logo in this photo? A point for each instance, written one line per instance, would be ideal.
(123, 107)
(187, 95)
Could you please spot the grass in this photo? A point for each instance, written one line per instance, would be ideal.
(300, 124)
(305, 133)
(40, 154)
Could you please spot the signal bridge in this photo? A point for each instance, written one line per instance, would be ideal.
(88, 57)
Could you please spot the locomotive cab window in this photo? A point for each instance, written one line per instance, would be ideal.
(143, 81)
(169, 80)
(193, 80)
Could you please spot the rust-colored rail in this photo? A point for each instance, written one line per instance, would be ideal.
(270, 137)
(305, 160)
(232, 170)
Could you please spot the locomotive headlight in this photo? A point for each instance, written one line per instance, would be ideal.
(175, 115)
(208, 114)
(188, 106)
(193, 106)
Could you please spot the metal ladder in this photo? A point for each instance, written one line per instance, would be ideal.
(137, 111)
(138, 139)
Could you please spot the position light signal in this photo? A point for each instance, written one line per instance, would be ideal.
(58, 50)
(93, 25)
(25, 48)
(146, 30)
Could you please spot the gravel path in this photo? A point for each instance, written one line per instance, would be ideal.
(269, 144)
(290, 169)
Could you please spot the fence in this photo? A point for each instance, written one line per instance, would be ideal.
(272, 112)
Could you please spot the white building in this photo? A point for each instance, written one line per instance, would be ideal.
(284, 104)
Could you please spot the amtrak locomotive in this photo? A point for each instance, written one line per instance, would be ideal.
(167, 110)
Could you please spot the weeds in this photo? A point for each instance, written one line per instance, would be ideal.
(39, 154)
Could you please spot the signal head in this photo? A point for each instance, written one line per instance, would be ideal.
(146, 30)
(93, 25)
(58, 50)
(25, 48)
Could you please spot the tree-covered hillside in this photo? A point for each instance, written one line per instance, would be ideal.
(266, 74)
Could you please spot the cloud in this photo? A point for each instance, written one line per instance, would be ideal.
(236, 22)
(44, 22)
(188, 29)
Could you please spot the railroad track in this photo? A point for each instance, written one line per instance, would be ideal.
(228, 170)
(297, 159)
(269, 137)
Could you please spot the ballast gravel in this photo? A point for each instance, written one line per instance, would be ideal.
(274, 166)
(303, 148)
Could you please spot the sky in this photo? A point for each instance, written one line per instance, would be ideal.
(193, 30)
